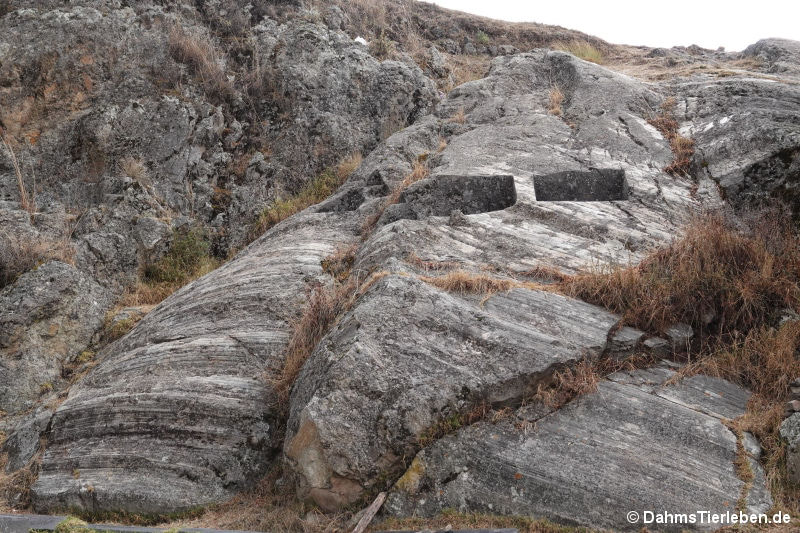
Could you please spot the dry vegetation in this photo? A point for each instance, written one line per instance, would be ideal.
(464, 282)
(582, 49)
(556, 99)
(26, 199)
(419, 172)
(682, 147)
(19, 254)
(203, 58)
(314, 192)
(728, 281)
(718, 278)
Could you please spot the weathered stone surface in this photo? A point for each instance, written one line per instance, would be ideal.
(46, 316)
(23, 442)
(410, 356)
(747, 135)
(790, 431)
(627, 446)
(781, 56)
(441, 195)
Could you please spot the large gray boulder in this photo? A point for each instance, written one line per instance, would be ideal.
(47, 316)
(781, 56)
(439, 356)
(634, 445)
(747, 138)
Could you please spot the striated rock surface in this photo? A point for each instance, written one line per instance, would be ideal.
(142, 119)
(635, 444)
(411, 356)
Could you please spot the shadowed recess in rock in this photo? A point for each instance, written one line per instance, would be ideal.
(440, 195)
(594, 185)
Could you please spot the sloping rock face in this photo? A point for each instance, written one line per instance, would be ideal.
(635, 444)
(181, 413)
(747, 134)
(47, 316)
(440, 355)
(127, 140)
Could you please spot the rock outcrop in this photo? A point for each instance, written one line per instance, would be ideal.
(234, 106)
(635, 444)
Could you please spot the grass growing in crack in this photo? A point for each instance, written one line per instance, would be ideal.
(314, 192)
(325, 304)
(556, 99)
(418, 172)
(682, 147)
(716, 278)
(581, 49)
(19, 255)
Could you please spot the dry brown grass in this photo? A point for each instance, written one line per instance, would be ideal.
(19, 255)
(204, 60)
(569, 383)
(27, 200)
(340, 263)
(464, 282)
(134, 167)
(716, 278)
(324, 305)
(556, 99)
(314, 192)
(459, 117)
(19, 482)
(682, 147)
(581, 49)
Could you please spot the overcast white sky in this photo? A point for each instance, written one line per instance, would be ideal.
(733, 24)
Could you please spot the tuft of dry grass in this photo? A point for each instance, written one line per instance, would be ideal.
(569, 383)
(581, 49)
(314, 192)
(16, 486)
(682, 147)
(324, 305)
(203, 58)
(340, 263)
(27, 200)
(464, 282)
(556, 99)
(716, 278)
(134, 167)
(19, 255)
(459, 117)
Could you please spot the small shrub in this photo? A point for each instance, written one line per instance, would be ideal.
(46, 388)
(72, 525)
(556, 99)
(382, 47)
(581, 49)
(314, 192)
(19, 255)
(482, 38)
(188, 254)
(202, 57)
